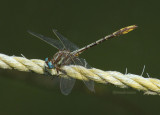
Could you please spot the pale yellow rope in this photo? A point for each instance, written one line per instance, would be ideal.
(147, 85)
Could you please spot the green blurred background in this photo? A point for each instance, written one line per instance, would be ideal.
(82, 22)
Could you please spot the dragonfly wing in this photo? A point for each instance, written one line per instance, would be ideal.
(66, 85)
(66, 43)
(55, 43)
(89, 83)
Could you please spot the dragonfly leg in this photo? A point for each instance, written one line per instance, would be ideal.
(60, 70)
(46, 71)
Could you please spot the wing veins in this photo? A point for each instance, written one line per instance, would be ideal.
(68, 45)
(50, 41)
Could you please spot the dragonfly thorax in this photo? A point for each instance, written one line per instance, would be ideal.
(61, 58)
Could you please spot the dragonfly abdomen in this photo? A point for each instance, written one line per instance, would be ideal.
(117, 33)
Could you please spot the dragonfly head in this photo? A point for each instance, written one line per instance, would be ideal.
(49, 63)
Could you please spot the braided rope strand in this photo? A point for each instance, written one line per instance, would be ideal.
(147, 85)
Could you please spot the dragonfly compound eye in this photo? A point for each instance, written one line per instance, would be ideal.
(50, 65)
(46, 59)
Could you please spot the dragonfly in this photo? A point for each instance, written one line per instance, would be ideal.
(68, 54)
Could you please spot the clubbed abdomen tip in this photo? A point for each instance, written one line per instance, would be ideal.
(125, 30)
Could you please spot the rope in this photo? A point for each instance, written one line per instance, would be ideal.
(147, 85)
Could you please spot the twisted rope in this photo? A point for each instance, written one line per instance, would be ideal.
(147, 85)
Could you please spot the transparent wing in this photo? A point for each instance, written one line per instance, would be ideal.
(89, 83)
(66, 85)
(55, 43)
(66, 43)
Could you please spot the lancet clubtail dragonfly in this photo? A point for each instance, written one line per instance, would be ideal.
(68, 55)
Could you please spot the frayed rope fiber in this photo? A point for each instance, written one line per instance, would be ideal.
(147, 85)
